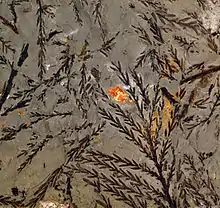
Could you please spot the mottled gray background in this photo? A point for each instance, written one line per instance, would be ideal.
(117, 16)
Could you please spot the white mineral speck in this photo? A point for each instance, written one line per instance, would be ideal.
(51, 204)
(211, 18)
(47, 67)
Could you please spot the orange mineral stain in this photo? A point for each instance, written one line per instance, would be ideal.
(21, 113)
(119, 95)
(166, 115)
(28, 123)
(3, 124)
(172, 67)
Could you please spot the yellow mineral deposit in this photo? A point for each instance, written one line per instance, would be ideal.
(166, 114)
(69, 35)
(166, 117)
(96, 139)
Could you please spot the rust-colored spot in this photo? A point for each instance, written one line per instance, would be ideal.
(28, 123)
(164, 75)
(3, 124)
(172, 67)
(119, 95)
(21, 113)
